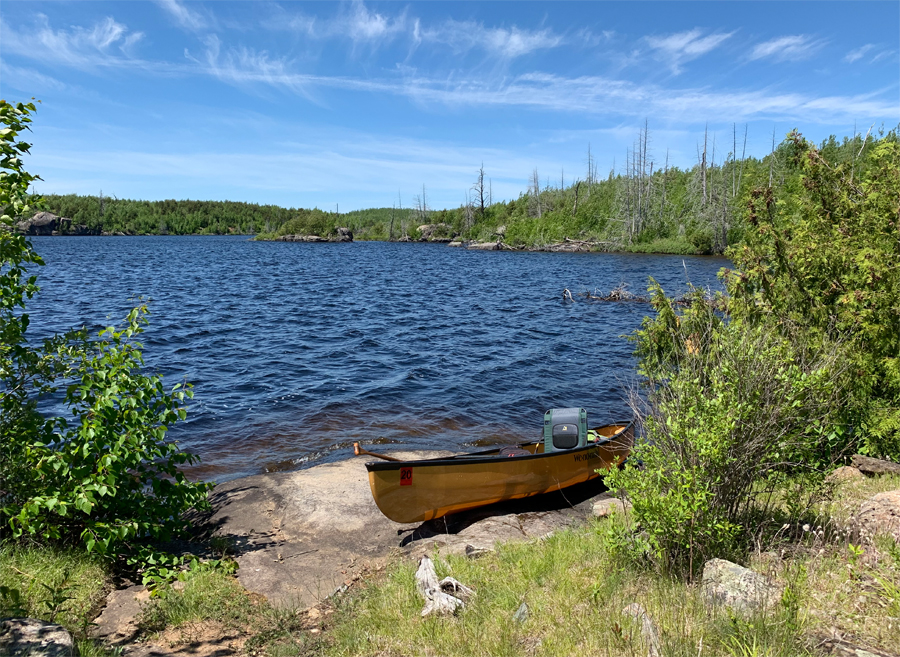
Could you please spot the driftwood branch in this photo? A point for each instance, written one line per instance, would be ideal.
(443, 597)
(649, 633)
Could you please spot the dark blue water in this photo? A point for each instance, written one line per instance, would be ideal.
(296, 350)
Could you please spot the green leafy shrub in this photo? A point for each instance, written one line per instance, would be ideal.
(110, 477)
(106, 478)
(732, 411)
(752, 397)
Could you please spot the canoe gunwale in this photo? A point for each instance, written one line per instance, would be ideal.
(489, 456)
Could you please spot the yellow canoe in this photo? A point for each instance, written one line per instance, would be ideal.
(415, 491)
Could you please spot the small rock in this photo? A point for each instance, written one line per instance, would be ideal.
(473, 552)
(608, 506)
(314, 614)
(485, 246)
(521, 614)
(844, 473)
(880, 514)
(738, 588)
(455, 243)
(27, 637)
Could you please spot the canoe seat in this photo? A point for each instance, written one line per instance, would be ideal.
(512, 450)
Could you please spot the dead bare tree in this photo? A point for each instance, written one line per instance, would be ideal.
(703, 163)
(535, 191)
(480, 190)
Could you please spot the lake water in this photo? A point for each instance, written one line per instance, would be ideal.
(297, 350)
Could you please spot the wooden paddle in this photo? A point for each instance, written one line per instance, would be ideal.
(359, 451)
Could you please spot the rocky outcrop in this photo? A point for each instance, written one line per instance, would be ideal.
(740, 589)
(843, 474)
(27, 637)
(435, 232)
(300, 536)
(872, 467)
(47, 223)
(880, 514)
(342, 235)
(485, 246)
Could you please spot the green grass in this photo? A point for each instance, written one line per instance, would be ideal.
(676, 245)
(575, 590)
(68, 587)
(206, 596)
(576, 587)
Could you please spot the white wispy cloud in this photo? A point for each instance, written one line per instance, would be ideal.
(787, 48)
(364, 26)
(106, 43)
(184, 16)
(28, 80)
(355, 23)
(682, 47)
(508, 43)
(872, 51)
(587, 94)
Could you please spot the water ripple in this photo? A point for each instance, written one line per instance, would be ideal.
(296, 350)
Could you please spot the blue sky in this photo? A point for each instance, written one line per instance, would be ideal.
(326, 103)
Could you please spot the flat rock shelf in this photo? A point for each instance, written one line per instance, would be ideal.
(301, 536)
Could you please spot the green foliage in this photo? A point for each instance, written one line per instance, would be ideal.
(825, 260)
(109, 477)
(106, 477)
(751, 398)
(169, 217)
(732, 412)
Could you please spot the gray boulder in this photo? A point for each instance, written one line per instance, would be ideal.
(871, 467)
(28, 637)
(741, 589)
(43, 223)
(485, 246)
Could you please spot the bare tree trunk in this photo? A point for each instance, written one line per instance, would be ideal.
(536, 188)
(391, 229)
(480, 190)
(772, 158)
(662, 206)
(703, 164)
(575, 205)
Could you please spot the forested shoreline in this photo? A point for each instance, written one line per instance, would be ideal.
(649, 207)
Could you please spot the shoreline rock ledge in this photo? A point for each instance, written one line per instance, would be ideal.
(301, 536)
(47, 223)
